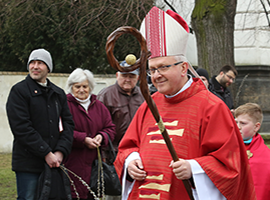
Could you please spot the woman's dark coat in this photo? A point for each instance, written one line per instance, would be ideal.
(96, 120)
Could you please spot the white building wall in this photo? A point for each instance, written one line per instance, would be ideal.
(252, 33)
(251, 36)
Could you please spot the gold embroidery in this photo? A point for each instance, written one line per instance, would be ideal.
(154, 133)
(152, 196)
(162, 141)
(156, 186)
(174, 123)
(160, 177)
(178, 132)
(249, 154)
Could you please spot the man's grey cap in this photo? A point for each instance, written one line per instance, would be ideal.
(124, 64)
(42, 55)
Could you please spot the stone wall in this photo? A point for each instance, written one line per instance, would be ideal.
(253, 86)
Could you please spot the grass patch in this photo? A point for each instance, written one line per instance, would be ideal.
(7, 178)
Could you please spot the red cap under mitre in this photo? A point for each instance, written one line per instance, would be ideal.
(166, 34)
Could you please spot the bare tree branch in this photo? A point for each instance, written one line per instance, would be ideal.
(268, 2)
(239, 90)
(170, 6)
(266, 13)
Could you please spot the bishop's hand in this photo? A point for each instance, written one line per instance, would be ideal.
(135, 170)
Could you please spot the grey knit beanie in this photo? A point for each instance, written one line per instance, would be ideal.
(42, 55)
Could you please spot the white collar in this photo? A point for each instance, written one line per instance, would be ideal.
(43, 84)
(84, 103)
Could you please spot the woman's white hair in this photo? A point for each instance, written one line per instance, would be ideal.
(80, 75)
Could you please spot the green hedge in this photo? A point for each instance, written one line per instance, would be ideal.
(266, 138)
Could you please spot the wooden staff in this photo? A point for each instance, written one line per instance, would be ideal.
(142, 63)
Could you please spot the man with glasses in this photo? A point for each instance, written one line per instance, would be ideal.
(212, 157)
(219, 85)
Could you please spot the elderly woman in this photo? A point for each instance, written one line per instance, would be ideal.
(92, 122)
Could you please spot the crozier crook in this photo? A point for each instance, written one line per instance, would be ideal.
(141, 63)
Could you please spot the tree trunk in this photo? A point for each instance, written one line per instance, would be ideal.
(213, 24)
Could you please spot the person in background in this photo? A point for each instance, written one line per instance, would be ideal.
(92, 124)
(204, 76)
(249, 119)
(219, 85)
(122, 100)
(200, 126)
(40, 122)
(152, 89)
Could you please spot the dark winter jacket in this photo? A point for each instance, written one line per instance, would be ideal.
(96, 120)
(33, 112)
(121, 106)
(53, 184)
(223, 93)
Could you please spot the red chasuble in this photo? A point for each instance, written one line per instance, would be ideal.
(201, 127)
(259, 160)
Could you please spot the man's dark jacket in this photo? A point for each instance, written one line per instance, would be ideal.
(34, 114)
(121, 106)
(223, 93)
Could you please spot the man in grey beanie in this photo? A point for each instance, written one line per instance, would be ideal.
(41, 55)
(41, 124)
